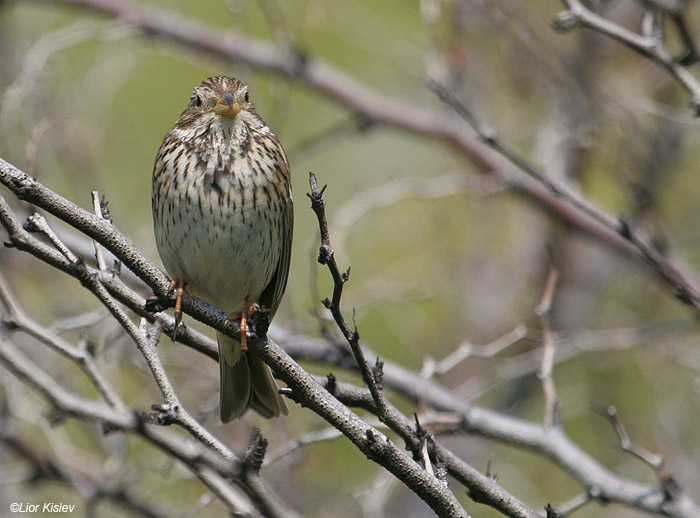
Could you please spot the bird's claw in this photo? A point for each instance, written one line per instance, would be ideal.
(245, 314)
(179, 287)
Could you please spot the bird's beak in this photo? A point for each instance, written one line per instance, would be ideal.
(226, 106)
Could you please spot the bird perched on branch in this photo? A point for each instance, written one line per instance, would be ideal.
(222, 212)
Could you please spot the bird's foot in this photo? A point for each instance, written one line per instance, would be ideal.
(244, 315)
(179, 287)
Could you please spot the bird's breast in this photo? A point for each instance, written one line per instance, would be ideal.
(221, 228)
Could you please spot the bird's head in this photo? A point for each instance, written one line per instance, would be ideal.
(218, 96)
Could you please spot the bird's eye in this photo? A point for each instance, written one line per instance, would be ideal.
(247, 95)
(196, 101)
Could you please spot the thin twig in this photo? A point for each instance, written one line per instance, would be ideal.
(649, 46)
(37, 223)
(326, 257)
(574, 504)
(467, 350)
(97, 207)
(656, 462)
(552, 414)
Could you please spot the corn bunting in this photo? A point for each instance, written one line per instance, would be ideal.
(222, 212)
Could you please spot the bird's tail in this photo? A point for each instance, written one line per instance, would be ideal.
(246, 382)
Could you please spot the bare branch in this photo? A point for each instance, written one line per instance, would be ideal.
(327, 257)
(573, 505)
(97, 207)
(650, 45)
(685, 288)
(467, 350)
(655, 462)
(552, 415)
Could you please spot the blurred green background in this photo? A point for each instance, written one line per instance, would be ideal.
(86, 102)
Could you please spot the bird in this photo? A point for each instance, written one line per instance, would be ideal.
(223, 220)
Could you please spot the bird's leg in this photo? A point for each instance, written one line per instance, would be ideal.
(179, 287)
(244, 315)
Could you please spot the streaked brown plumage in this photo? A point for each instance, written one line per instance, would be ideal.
(222, 212)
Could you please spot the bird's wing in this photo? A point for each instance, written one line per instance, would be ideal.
(272, 294)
